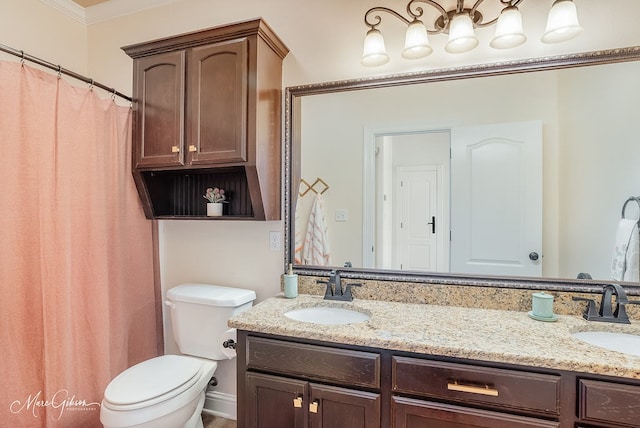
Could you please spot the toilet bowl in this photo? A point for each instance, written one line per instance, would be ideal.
(169, 391)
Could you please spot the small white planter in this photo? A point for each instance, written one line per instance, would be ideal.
(214, 209)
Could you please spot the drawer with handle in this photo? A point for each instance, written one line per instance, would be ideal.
(526, 392)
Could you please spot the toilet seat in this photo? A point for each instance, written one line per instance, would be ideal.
(152, 381)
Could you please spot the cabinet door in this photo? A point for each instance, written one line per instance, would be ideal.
(609, 403)
(331, 407)
(217, 93)
(410, 413)
(159, 110)
(275, 402)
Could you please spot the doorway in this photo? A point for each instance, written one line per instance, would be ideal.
(406, 200)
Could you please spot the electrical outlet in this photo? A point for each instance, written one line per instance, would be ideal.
(274, 241)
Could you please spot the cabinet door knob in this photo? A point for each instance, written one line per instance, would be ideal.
(313, 407)
(193, 148)
(175, 149)
(297, 402)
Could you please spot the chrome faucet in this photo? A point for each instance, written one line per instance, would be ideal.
(607, 313)
(334, 290)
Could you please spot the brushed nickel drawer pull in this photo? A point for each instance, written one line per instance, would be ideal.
(313, 407)
(297, 402)
(473, 389)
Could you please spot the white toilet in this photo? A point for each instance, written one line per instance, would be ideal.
(169, 391)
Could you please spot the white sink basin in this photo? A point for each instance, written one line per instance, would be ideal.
(323, 315)
(620, 342)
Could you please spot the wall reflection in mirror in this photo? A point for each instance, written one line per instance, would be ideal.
(417, 183)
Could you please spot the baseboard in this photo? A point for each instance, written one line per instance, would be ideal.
(220, 404)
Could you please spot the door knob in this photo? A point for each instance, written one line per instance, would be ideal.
(534, 256)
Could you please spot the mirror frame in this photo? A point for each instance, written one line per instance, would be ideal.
(292, 161)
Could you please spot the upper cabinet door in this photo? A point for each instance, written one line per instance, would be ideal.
(160, 110)
(217, 94)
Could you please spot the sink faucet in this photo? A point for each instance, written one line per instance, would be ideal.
(334, 289)
(607, 313)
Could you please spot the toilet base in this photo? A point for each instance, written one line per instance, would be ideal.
(175, 419)
(196, 420)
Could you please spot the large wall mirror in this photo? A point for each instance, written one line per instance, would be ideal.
(412, 189)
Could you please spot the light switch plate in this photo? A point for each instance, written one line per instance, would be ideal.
(342, 214)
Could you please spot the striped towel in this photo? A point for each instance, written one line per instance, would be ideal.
(317, 250)
(297, 256)
(626, 255)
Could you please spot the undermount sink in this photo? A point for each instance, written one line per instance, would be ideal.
(620, 342)
(327, 315)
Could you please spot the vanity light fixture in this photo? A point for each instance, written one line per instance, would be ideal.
(460, 24)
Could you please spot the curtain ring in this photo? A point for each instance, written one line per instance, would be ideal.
(21, 57)
(59, 71)
(113, 94)
(91, 85)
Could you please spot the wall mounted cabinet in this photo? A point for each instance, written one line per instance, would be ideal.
(207, 113)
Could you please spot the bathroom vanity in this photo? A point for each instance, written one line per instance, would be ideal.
(413, 365)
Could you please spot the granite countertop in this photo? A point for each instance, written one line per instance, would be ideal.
(479, 334)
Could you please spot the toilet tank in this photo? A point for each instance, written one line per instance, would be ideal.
(199, 315)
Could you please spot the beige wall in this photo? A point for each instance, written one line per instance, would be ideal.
(325, 39)
(37, 29)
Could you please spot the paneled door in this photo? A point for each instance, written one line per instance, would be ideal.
(496, 199)
(417, 232)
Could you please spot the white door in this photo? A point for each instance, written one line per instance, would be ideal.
(496, 199)
(417, 219)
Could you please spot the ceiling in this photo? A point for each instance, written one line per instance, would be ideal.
(92, 11)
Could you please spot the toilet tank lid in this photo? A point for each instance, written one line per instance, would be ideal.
(208, 294)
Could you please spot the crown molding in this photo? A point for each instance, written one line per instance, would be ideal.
(68, 8)
(103, 11)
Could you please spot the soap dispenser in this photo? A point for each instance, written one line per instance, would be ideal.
(290, 283)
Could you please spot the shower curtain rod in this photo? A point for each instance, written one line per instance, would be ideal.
(60, 70)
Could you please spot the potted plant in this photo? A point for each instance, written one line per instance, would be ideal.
(216, 198)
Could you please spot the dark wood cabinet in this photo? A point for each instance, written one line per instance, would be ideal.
(502, 396)
(159, 129)
(207, 109)
(333, 407)
(608, 404)
(287, 382)
(310, 395)
(274, 401)
(412, 413)
(494, 388)
(217, 103)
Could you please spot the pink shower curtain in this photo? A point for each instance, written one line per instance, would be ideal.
(76, 253)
